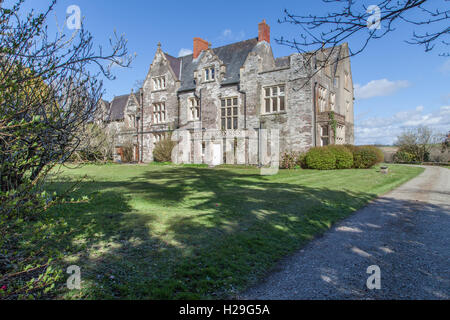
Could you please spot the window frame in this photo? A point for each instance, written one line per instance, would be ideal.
(193, 104)
(209, 74)
(162, 112)
(278, 97)
(159, 83)
(229, 114)
(322, 98)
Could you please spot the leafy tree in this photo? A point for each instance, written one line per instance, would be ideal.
(49, 89)
(417, 142)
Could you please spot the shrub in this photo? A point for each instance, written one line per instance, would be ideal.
(301, 160)
(379, 153)
(364, 158)
(403, 156)
(320, 158)
(127, 152)
(351, 148)
(163, 150)
(344, 157)
(288, 160)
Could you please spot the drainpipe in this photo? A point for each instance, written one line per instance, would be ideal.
(314, 116)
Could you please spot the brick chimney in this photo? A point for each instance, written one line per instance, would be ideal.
(199, 46)
(263, 32)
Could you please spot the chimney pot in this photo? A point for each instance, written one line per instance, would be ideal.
(263, 32)
(199, 46)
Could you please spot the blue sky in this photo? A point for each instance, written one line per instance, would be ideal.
(397, 85)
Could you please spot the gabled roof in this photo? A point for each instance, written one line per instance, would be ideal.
(174, 64)
(117, 107)
(232, 55)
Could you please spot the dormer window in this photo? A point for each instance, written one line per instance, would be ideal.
(159, 83)
(210, 74)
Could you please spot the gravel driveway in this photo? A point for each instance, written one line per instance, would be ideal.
(406, 233)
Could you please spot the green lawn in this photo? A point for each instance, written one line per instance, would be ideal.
(175, 232)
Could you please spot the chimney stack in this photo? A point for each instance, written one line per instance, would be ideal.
(263, 32)
(199, 46)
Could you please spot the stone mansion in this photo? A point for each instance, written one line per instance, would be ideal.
(235, 91)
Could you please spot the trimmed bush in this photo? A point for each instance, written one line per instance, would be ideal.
(321, 159)
(364, 158)
(344, 157)
(163, 150)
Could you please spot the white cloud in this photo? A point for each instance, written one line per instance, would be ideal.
(384, 130)
(379, 88)
(184, 52)
(229, 35)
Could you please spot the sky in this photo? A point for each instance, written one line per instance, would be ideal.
(397, 85)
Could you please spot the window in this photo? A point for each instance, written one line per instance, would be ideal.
(346, 80)
(159, 83)
(340, 134)
(229, 113)
(132, 120)
(324, 139)
(158, 137)
(322, 98)
(274, 99)
(210, 74)
(159, 113)
(194, 108)
(336, 82)
(332, 101)
(348, 108)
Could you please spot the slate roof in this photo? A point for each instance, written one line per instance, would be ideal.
(117, 107)
(232, 55)
(174, 63)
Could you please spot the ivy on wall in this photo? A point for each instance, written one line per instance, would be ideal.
(333, 124)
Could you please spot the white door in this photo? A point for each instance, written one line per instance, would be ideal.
(217, 155)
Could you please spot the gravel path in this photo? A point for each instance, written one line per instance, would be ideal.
(406, 233)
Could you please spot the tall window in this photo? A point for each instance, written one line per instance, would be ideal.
(346, 80)
(194, 108)
(332, 101)
(159, 83)
(229, 113)
(322, 98)
(159, 113)
(324, 135)
(274, 99)
(210, 74)
(340, 134)
(336, 82)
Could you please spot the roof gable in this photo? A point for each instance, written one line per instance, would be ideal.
(232, 55)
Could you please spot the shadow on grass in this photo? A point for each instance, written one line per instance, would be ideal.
(198, 233)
